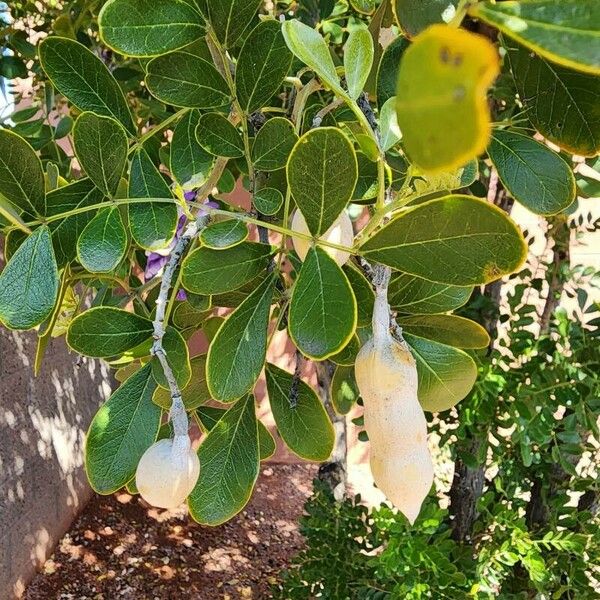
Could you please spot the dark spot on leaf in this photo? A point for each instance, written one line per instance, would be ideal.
(445, 54)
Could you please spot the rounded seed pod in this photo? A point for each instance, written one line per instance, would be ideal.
(341, 232)
(168, 472)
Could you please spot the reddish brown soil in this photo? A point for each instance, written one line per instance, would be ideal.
(121, 548)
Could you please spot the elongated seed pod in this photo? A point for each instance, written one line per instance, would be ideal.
(386, 375)
(168, 472)
(340, 232)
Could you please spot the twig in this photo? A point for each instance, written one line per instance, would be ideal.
(293, 399)
(325, 111)
(178, 415)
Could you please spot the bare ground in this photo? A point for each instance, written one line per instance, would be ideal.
(121, 548)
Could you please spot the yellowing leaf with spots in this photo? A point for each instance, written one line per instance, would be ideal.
(441, 97)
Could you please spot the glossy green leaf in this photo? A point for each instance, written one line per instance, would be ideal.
(152, 224)
(347, 355)
(102, 244)
(560, 103)
(237, 353)
(209, 416)
(229, 464)
(533, 174)
(451, 330)
(185, 316)
(207, 271)
(414, 16)
(363, 6)
(322, 173)
(458, 240)
(218, 136)
(414, 295)
(84, 79)
(367, 184)
(358, 59)
(450, 95)
(268, 201)
(363, 292)
(195, 393)
(121, 431)
(66, 232)
(224, 234)
(322, 315)
(309, 46)
(388, 125)
(148, 28)
(387, 74)
(101, 147)
(106, 331)
(263, 63)
(178, 358)
(190, 163)
(29, 283)
(21, 174)
(344, 391)
(187, 78)
(305, 427)
(231, 18)
(273, 144)
(566, 32)
(446, 374)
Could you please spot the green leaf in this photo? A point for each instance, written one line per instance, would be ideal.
(458, 240)
(209, 416)
(347, 355)
(413, 295)
(305, 428)
(152, 224)
(102, 244)
(448, 96)
(229, 464)
(548, 90)
(231, 18)
(190, 163)
(363, 292)
(322, 172)
(268, 201)
(388, 125)
(178, 358)
(148, 28)
(122, 430)
(414, 16)
(218, 136)
(186, 316)
(262, 65)
(344, 392)
(84, 79)
(446, 374)
(533, 174)
(387, 74)
(367, 184)
(566, 32)
(237, 353)
(195, 393)
(29, 283)
(106, 331)
(207, 271)
(187, 78)
(363, 6)
(358, 60)
(66, 232)
(224, 234)
(322, 315)
(21, 174)
(447, 329)
(273, 144)
(101, 147)
(310, 47)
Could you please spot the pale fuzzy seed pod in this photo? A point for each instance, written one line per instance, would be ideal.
(168, 472)
(341, 233)
(386, 375)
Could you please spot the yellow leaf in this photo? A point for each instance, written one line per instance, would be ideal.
(441, 100)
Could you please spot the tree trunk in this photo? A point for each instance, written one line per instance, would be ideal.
(334, 471)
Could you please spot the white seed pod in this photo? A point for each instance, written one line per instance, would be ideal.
(168, 472)
(386, 375)
(341, 233)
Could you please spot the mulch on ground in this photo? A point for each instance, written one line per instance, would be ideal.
(119, 547)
